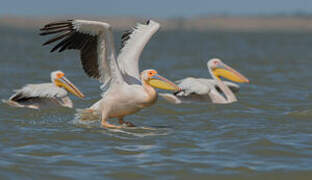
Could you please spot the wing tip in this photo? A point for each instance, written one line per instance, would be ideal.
(151, 22)
(56, 25)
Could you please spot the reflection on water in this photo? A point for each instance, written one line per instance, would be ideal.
(267, 133)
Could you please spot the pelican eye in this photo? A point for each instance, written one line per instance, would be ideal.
(150, 73)
(59, 75)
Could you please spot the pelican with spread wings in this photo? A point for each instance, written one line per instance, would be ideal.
(127, 90)
(215, 90)
(44, 95)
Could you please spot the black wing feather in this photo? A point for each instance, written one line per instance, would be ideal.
(60, 44)
(20, 98)
(57, 37)
(125, 37)
(57, 23)
(55, 27)
(70, 38)
(47, 32)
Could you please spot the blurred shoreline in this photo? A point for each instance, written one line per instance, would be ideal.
(203, 23)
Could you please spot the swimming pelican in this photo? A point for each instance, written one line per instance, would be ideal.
(127, 91)
(36, 96)
(200, 89)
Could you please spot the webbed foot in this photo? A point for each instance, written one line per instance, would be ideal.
(108, 125)
(129, 124)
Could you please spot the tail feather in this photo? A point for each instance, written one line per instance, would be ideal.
(12, 103)
(87, 115)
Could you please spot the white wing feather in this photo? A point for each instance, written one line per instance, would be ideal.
(105, 48)
(128, 58)
(44, 90)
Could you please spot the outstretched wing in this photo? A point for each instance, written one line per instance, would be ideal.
(94, 40)
(34, 91)
(133, 43)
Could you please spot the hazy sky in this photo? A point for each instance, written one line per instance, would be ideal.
(155, 8)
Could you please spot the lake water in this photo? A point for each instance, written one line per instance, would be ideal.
(267, 134)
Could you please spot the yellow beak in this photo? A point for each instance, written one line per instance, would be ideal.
(229, 73)
(160, 82)
(65, 83)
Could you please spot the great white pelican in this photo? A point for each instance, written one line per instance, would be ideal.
(37, 96)
(127, 90)
(201, 89)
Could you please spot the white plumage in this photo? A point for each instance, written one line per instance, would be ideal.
(37, 96)
(126, 90)
(202, 86)
(44, 90)
(215, 90)
(128, 58)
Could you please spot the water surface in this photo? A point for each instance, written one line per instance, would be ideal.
(266, 134)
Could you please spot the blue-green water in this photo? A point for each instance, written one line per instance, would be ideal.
(266, 134)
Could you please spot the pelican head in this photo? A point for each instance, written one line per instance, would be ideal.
(219, 69)
(58, 78)
(151, 77)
